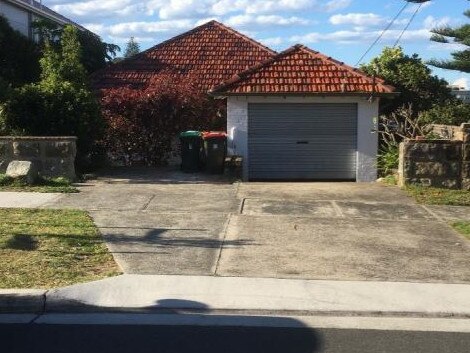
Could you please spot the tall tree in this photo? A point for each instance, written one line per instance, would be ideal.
(132, 48)
(95, 54)
(411, 77)
(459, 35)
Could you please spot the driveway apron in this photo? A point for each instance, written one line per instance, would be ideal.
(339, 231)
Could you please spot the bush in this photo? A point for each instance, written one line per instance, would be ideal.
(141, 123)
(60, 104)
(452, 113)
(388, 160)
(57, 110)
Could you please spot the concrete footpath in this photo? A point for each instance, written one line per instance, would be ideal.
(205, 294)
(27, 199)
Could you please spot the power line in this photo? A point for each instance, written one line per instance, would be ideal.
(408, 24)
(383, 32)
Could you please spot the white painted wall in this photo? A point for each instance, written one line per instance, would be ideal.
(367, 141)
(18, 18)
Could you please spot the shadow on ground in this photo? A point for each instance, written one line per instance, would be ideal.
(186, 327)
(160, 175)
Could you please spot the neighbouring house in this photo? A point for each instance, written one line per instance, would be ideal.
(21, 14)
(460, 93)
(213, 52)
(295, 115)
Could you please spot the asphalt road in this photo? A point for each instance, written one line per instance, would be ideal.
(34, 338)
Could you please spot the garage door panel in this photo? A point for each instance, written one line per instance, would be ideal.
(302, 141)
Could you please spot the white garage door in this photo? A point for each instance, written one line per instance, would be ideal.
(302, 141)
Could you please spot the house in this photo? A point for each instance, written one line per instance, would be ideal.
(296, 115)
(212, 51)
(21, 14)
(303, 115)
(460, 93)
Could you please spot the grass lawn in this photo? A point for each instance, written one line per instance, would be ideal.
(462, 227)
(435, 196)
(50, 248)
(60, 185)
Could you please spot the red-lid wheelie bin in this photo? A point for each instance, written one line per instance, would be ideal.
(215, 151)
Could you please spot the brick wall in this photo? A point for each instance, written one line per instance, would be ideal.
(53, 156)
(437, 163)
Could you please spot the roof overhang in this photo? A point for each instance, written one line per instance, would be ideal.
(223, 95)
(38, 10)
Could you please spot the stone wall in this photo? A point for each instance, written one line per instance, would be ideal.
(437, 163)
(466, 156)
(52, 156)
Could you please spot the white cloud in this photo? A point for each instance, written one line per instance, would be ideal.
(264, 20)
(140, 29)
(335, 5)
(431, 22)
(352, 37)
(413, 8)
(274, 41)
(358, 19)
(462, 82)
(97, 8)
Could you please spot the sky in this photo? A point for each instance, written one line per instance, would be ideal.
(342, 29)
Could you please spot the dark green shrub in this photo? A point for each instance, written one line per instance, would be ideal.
(388, 159)
(60, 104)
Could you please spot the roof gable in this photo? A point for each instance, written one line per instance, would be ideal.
(212, 51)
(300, 70)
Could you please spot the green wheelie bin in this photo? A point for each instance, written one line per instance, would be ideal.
(215, 151)
(191, 145)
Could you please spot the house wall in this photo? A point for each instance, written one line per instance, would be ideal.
(52, 156)
(237, 128)
(18, 18)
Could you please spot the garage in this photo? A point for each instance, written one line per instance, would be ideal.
(302, 141)
(304, 116)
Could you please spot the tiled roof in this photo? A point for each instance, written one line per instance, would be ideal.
(300, 70)
(212, 52)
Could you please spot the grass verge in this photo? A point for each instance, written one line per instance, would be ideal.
(61, 185)
(436, 196)
(463, 228)
(51, 248)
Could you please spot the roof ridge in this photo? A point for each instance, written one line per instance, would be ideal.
(243, 74)
(298, 47)
(239, 34)
(184, 34)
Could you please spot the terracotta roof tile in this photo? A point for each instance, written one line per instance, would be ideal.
(213, 52)
(302, 70)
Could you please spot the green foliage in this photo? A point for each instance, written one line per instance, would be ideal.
(411, 77)
(60, 104)
(95, 54)
(142, 123)
(132, 48)
(460, 35)
(463, 228)
(450, 113)
(437, 196)
(390, 180)
(57, 67)
(45, 185)
(19, 57)
(388, 160)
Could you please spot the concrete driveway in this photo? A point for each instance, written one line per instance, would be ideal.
(166, 222)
